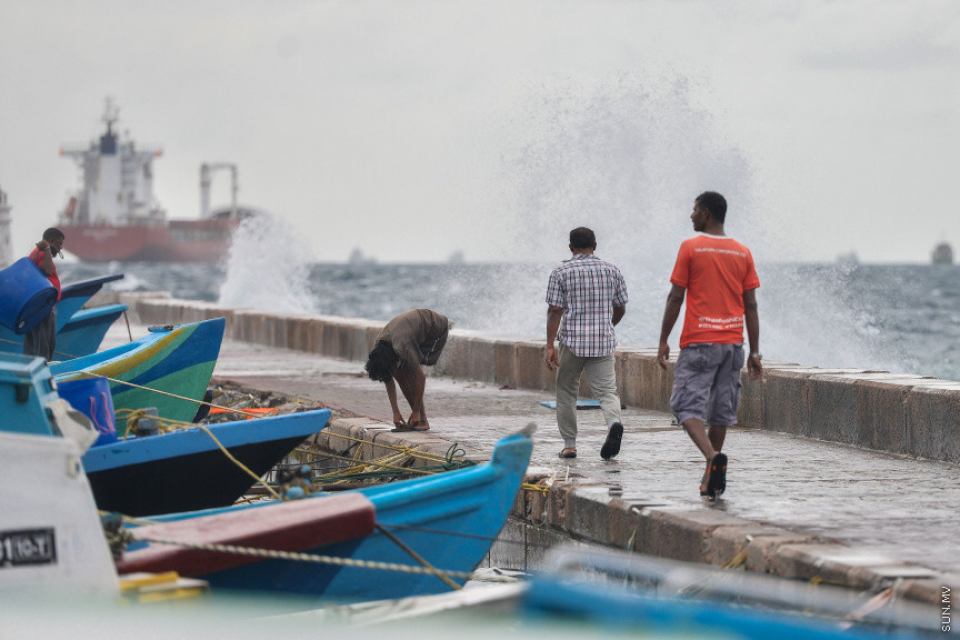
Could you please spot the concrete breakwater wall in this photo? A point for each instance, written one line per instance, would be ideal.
(581, 511)
(899, 413)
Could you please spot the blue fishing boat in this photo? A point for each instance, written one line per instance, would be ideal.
(186, 470)
(76, 294)
(79, 331)
(169, 368)
(448, 521)
(83, 333)
(179, 470)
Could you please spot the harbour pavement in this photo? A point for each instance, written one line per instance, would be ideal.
(794, 506)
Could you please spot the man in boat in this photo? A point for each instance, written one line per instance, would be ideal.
(407, 343)
(590, 297)
(42, 339)
(718, 277)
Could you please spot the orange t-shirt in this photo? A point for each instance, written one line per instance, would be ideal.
(715, 271)
(53, 277)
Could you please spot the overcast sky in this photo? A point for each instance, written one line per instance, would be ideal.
(412, 129)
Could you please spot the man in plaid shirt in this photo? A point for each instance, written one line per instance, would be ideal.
(590, 297)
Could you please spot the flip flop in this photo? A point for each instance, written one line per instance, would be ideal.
(611, 446)
(717, 482)
(569, 452)
(405, 429)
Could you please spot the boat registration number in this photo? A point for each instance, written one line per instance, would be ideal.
(27, 546)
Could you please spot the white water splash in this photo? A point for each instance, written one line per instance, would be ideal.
(628, 160)
(268, 268)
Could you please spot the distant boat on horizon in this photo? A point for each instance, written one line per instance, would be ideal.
(357, 257)
(942, 254)
(848, 259)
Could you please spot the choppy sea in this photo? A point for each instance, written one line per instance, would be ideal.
(901, 318)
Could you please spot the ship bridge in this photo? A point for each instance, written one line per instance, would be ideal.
(117, 179)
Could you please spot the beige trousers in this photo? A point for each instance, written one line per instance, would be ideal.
(602, 375)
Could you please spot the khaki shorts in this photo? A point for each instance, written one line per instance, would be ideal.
(706, 383)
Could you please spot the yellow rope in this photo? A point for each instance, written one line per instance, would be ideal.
(176, 425)
(408, 450)
(364, 467)
(526, 486)
(374, 463)
(165, 393)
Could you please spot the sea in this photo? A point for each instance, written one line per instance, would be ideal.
(902, 318)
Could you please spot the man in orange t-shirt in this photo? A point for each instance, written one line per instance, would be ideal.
(719, 279)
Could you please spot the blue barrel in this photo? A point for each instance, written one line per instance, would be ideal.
(26, 296)
(91, 397)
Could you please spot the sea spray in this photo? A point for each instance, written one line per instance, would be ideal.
(268, 268)
(628, 159)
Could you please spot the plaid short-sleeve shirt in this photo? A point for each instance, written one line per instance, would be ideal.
(587, 289)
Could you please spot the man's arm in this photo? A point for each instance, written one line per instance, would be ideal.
(752, 320)
(46, 258)
(554, 314)
(618, 313)
(398, 420)
(670, 315)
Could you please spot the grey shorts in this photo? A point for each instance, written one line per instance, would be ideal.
(706, 383)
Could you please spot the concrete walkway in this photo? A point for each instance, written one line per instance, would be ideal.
(883, 506)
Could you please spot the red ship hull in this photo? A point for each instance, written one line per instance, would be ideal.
(174, 241)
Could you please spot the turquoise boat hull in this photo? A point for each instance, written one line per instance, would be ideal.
(169, 369)
(450, 519)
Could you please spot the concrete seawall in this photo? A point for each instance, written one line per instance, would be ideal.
(898, 413)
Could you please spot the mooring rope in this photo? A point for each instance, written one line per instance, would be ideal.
(296, 556)
(176, 425)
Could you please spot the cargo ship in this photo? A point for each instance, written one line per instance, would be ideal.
(115, 216)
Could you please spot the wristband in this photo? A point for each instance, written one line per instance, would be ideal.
(757, 355)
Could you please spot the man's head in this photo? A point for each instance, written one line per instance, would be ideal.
(55, 238)
(714, 204)
(381, 362)
(582, 238)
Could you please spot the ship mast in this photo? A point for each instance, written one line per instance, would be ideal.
(206, 177)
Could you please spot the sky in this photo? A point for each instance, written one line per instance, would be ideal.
(414, 129)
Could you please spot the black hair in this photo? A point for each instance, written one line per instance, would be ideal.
(381, 361)
(583, 238)
(53, 234)
(715, 203)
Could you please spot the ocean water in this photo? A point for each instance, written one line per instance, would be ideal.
(902, 318)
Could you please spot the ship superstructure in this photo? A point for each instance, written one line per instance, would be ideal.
(114, 215)
(117, 180)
